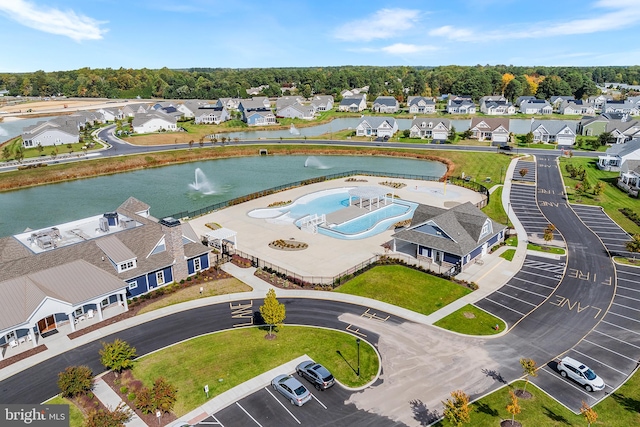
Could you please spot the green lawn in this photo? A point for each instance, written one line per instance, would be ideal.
(494, 209)
(404, 287)
(470, 320)
(512, 240)
(628, 261)
(75, 415)
(31, 153)
(611, 200)
(226, 359)
(548, 249)
(508, 254)
(620, 409)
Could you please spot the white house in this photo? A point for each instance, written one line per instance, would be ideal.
(211, 115)
(629, 179)
(385, 104)
(496, 105)
(577, 107)
(53, 132)
(426, 128)
(322, 102)
(553, 131)
(380, 127)
(490, 129)
(297, 111)
(535, 106)
(154, 122)
(460, 106)
(617, 154)
(356, 103)
(421, 105)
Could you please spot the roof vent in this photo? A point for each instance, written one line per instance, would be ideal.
(170, 222)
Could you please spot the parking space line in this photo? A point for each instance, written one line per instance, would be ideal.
(314, 396)
(216, 422)
(355, 331)
(504, 306)
(620, 327)
(285, 408)
(568, 381)
(629, 272)
(617, 339)
(533, 283)
(517, 299)
(542, 275)
(525, 290)
(374, 316)
(248, 414)
(626, 374)
(622, 296)
(629, 289)
(610, 351)
(620, 315)
(625, 306)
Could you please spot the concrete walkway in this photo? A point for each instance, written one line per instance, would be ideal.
(111, 400)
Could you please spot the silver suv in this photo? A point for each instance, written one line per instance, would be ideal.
(580, 373)
(316, 374)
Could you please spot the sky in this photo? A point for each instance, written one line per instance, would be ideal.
(57, 35)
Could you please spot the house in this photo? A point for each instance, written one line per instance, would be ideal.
(496, 106)
(297, 111)
(553, 132)
(450, 238)
(556, 101)
(109, 114)
(599, 100)
(460, 105)
(629, 179)
(492, 129)
(228, 103)
(190, 107)
(435, 129)
(263, 117)
(211, 115)
(380, 127)
(535, 106)
(577, 107)
(60, 131)
(53, 277)
(356, 103)
(132, 109)
(255, 104)
(521, 99)
(283, 101)
(322, 102)
(154, 122)
(421, 105)
(252, 91)
(624, 107)
(617, 154)
(350, 93)
(385, 104)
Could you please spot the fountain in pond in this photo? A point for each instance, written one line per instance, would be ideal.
(5, 133)
(201, 183)
(293, 130)
(314, 162)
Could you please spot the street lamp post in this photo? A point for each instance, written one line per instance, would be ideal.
(358, 343)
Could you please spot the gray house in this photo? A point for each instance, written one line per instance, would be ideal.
(553, 131)
(211, 115)
(421, 105)
(59, 131)
(385, 104)
(427, 128)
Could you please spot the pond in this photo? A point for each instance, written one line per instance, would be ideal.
(183, 187)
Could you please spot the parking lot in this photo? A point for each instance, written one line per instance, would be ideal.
(530, 167)
(525, 291)
(523, 202)
(266, 407)
(613, 237)
(611, 349)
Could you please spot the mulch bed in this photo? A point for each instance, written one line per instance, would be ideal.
(523, 394)
(149, 419)
(28, 353)
(507, 423)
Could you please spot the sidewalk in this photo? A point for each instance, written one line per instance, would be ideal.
(111, 400)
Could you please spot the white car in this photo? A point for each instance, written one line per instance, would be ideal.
(292, 389)
(580, 373)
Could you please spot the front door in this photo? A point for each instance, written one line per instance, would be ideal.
(46, 324)
(437, 257)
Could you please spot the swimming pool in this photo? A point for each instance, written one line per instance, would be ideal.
(329, 201)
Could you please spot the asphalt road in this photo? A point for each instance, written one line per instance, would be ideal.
(39, 383)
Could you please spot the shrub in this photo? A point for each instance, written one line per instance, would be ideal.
(117, 355)
(131, 396)
(75, 380)
(124, 389)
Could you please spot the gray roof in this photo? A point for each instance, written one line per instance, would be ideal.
(416, 99)
(520, 99)
(252, 104)
(283, 101)
(631, 165)
(140, 119)
(388, 101)
(419, 120)
(462, 224)
(625, 149)
(376, 121)
(115, 249)
(553, 126)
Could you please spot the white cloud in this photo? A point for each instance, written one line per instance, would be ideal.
(65, 23)
(403, 48)
(383, 24)
(621, 14)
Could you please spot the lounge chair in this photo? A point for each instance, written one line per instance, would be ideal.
(90, 314)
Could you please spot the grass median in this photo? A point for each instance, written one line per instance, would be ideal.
(470, 320)
(226, 359)
(405, 287)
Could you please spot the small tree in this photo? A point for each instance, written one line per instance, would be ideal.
(164, 395)
(606, 138)
(272, 311)
(457, 409)
(451, 137)
(548, 236)
(588, 413)
(117, 355)
(466, 134)
(406, 133)
(634, 244)
(529, 365)
(75, 380)
(191, 144)
(106, 418)
(579, 191)
(524, 172)
(528, 138)
(513, 407)
(598, 189)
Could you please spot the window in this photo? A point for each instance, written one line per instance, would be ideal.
(196, 264)
(104, 302)
(132, 285)
(160, 277)
(127, 265)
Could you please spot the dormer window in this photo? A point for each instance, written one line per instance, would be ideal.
(127, 265)
(486, 228)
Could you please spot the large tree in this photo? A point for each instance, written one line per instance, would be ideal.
(553, 86)
(457, 409)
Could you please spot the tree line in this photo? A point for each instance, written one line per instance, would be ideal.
(399, 81)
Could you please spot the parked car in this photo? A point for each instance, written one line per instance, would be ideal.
(292, 389)
(316, 374)
(580, 373)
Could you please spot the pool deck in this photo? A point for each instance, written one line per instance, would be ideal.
(325, 256)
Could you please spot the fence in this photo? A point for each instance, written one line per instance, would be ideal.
(475, 186)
